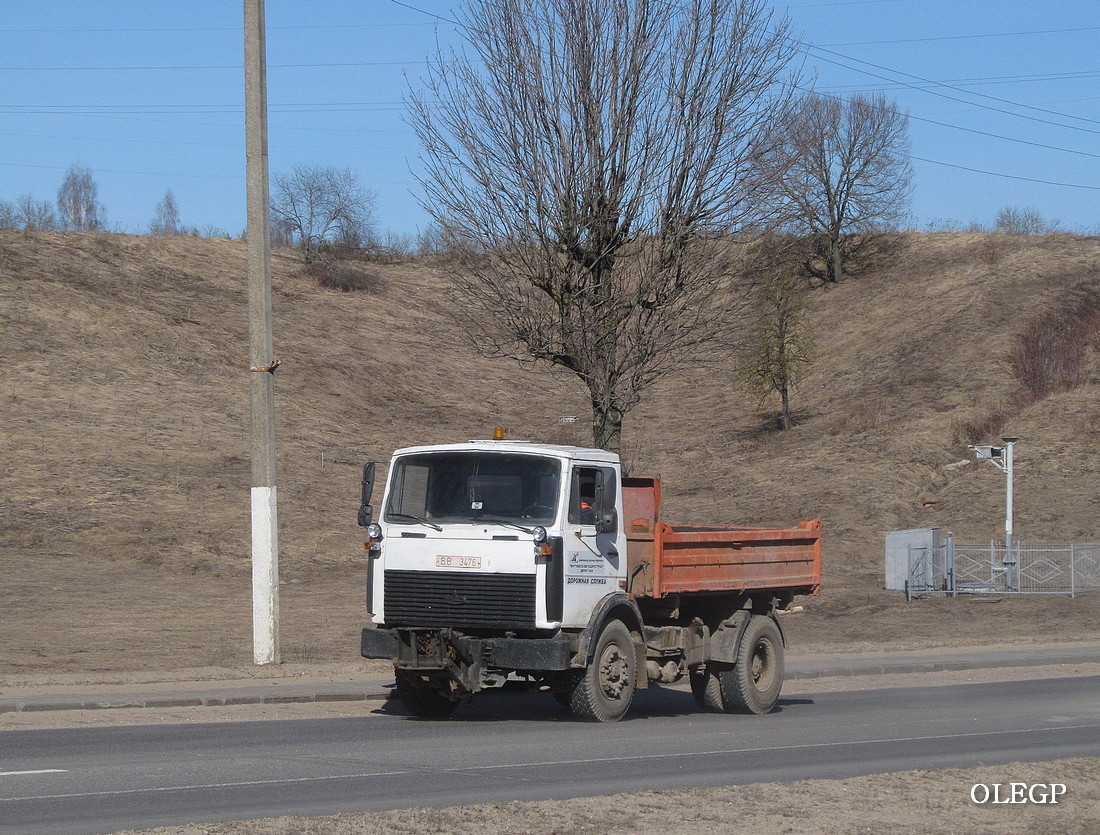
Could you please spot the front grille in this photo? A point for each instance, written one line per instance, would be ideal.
(460, 599)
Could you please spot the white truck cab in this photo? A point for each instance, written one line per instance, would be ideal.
(497, 534)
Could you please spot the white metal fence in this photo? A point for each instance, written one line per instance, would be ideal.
(956, 568)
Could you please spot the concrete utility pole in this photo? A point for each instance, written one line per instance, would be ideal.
(262, 363)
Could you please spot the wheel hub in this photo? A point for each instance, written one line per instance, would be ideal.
(614, 672)
(761, 668)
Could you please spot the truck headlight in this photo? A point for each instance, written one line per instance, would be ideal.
(374, 532)
(539, 532)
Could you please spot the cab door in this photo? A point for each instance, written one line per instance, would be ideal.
(594, 550)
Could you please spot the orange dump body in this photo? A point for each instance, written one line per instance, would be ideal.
(673, 559)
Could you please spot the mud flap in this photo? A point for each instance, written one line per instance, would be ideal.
(727, 638)
(378, 643)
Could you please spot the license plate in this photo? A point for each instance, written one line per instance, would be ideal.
(447, 561)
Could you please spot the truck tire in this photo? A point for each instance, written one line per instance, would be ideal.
(603, 690)
(707, 688)
(753, 685)
(421, 699)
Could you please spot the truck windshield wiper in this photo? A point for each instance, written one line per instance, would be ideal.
(416, 519)
(485, 521)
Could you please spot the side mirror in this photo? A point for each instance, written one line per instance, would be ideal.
(365, 509)
(607, 521)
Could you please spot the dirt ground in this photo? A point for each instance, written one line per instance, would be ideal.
(124, 483)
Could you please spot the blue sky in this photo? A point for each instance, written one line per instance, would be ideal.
(1004, 96)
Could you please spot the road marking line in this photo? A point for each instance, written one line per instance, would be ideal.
(36, 771)
(236, 785)
(422, 770)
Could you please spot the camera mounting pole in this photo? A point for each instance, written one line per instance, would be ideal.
(1001, 458)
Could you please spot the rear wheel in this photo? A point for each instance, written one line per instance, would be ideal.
(707, 689)
(421, 698)
(602, 692)
(753, 685)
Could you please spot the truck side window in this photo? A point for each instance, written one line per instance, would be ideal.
(582, 496)
(592, 490)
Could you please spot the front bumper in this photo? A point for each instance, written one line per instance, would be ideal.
(465, 658)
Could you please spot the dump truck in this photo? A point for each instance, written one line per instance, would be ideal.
(509, 563)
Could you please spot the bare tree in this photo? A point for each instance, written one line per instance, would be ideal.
(429, 241)
(77, 201)
(9, 216)
(1016, 221)
(589, 164)
(779, 345)
(35, 215)
(166, 217)
(282, 233)
(844, 173)
(322, 205)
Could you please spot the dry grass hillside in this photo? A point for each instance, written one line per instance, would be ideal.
(124, 508)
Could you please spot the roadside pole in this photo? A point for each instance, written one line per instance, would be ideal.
(1010, 561)
(1010, 443)
(1001, 458)
(262, 363)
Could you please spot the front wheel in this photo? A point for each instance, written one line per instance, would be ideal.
(421, 699)
(602, 692)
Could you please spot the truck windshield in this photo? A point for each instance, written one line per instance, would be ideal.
(469, 486)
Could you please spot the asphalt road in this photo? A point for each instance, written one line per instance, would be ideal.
(519, 747)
